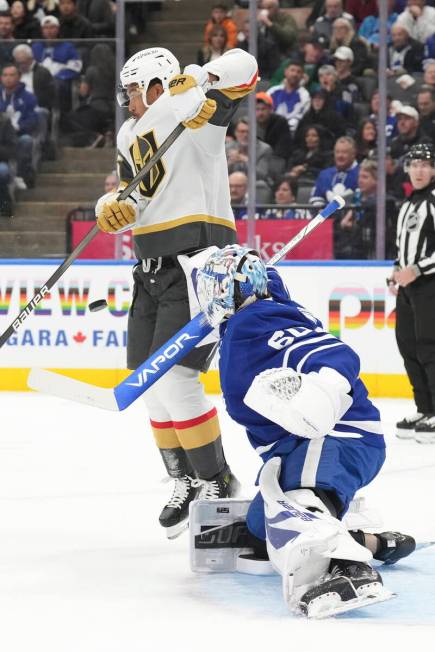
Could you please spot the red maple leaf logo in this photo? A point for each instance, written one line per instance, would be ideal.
(79, 337)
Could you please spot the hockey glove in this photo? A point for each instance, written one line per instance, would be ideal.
(189, 102)
(113, 215)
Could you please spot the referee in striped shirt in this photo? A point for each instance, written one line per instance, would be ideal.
(413, 280)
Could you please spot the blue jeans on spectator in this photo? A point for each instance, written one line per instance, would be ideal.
(5, 198)
(25, 159)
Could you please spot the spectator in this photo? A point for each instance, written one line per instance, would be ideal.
(426, 109)
(278, 24)
(369, 28)
(429, 74)
(361, 9)
(320, 113)
(111, 182)
(41, 8)
(238, 192)
(343, 33)
(217, 45)
(291, 99)
(6, 37)
(405, 55)
(268, 56)
(264, 154)
(341, 177)
(337, 98)
(314, 155)
(61, 59)
(219, 16)
(19, 105)
(391, 126)
(92, 122)
(25, 26)
(285, 194)
(397, 184)
(355, 234)
(366, 139)
(418, 19)
(333, 10)
(72, 25)
(343, 61)
(8, 146)
(272, 129)
(36, 77)
(314, 54)
(409, 132)
(100, 15)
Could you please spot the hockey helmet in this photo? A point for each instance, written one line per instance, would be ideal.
(230, 279)
(143, 67)
(420, 152)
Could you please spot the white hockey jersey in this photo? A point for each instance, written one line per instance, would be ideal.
(184, 202)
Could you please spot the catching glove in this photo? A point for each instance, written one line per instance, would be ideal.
(113, 215)
(189, 102)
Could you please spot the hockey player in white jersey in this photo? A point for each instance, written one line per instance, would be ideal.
(296, 389)
(181, 207)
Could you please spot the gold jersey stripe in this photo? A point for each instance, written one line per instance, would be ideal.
(189, 219)
(200, 435)
(236, 92)
(166, 437)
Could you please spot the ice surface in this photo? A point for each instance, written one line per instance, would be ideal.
(85, 567)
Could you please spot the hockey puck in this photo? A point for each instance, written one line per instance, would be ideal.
(95, 306)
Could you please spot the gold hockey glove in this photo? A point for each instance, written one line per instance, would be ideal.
(190, 104)
(112, 214)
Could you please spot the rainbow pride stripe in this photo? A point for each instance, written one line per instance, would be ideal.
(111, 299)
(355, 321)
(75, 297)
(26, 296)
(5, 298)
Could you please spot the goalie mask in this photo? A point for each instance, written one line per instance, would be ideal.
(143, 67)
(230, 279)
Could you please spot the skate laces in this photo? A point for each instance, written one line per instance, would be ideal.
(210, 490)
(417, 416)
(181, 490)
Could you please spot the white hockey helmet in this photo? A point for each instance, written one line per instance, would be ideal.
(230, 279)
(143, 67)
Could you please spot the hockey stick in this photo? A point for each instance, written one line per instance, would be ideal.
(18, 321)
(125, 393)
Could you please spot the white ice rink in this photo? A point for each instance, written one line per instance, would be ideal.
(85, 567)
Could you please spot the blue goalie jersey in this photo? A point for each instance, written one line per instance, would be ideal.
(278, 332)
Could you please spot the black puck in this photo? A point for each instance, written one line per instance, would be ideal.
(95, 306)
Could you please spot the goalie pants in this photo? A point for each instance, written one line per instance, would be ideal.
(415, 335)
(184, 422)
(337, 465)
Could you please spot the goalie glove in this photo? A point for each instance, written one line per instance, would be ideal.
(307, 405)
(189, 102)
(113, 215)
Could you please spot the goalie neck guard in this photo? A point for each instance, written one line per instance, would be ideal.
(143, 67)
(230, 279)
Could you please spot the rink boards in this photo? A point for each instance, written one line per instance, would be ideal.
(351, 298)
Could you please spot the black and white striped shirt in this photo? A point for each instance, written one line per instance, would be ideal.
(416, 231)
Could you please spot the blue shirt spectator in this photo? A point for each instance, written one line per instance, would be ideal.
(369, 28)
(16, 102)
(61, 59)
(341, 177)
(290, 99)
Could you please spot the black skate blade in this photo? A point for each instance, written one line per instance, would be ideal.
(174, 531)
(331, 605)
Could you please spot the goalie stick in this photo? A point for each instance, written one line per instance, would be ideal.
(125, 393)
(38, 297)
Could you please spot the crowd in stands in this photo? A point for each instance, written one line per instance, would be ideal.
(317, 107)
(55, 87)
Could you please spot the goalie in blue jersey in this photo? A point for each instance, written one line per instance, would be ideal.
(296, 389)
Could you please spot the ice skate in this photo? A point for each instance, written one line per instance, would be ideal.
(349, 585)
(393, 546)
(405, 429)
(425, 431)
(174, 516)
(222, 485)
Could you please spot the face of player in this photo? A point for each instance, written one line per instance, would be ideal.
(421, 173)
(136, 105)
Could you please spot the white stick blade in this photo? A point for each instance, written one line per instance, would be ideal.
(55, 384)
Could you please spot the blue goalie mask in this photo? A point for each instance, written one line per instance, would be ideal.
(230, 279)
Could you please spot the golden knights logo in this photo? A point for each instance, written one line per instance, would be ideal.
(141, 151)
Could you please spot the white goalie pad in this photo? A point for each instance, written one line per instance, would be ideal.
(219, 538)
(301, 542)
(307, 405)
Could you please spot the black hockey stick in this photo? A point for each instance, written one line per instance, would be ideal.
(16, 324)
